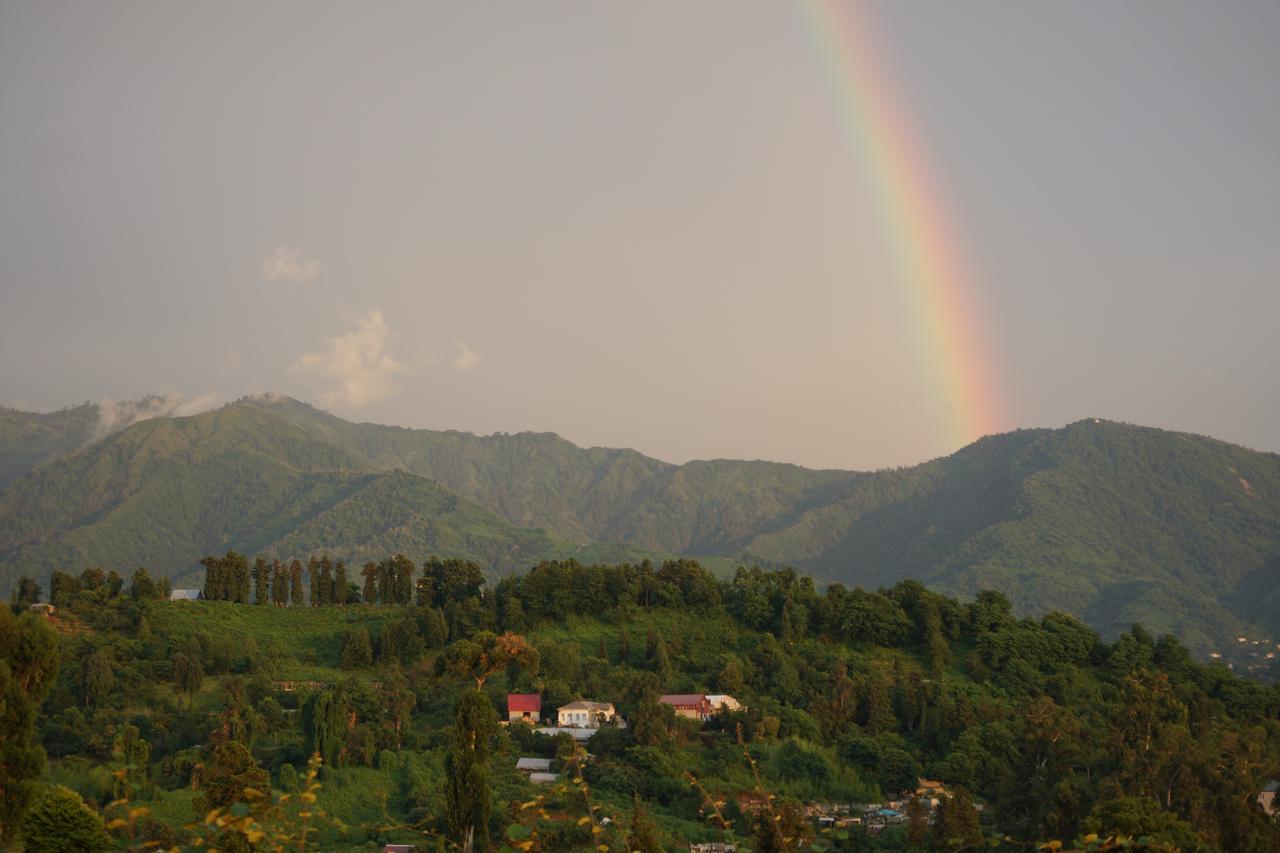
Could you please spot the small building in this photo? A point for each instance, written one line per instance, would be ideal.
(533, 765)
(587, 715)
(691, 705)
(1267, 799)
(185, 595)
(723, 702)
(713, 847)
(524, 707)
(44, 608)
(544, 778)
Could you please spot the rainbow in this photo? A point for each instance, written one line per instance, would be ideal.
(923, 246)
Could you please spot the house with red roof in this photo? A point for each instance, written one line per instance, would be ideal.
(695, 706)
(524, 708)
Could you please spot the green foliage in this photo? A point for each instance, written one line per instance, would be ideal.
(59, 821)
(1058, 725)
(29, 662)
(467, 787)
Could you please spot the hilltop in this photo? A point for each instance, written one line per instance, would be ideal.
(1112, 522)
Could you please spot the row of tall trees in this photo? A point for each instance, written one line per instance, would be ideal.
(392, 581)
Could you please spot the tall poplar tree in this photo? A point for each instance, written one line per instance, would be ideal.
(261, 581)
(466, 766)
(340, 583)
(371, 572)
(295, 583)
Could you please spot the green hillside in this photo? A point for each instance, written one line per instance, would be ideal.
(166, 492)
(849, 698)
(30, 439)
(1111, 522)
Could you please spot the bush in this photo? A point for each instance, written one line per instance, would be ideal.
(59, 821)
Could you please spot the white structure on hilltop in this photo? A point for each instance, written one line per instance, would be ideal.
(585, 715)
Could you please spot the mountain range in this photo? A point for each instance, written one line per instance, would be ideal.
(1112, 522)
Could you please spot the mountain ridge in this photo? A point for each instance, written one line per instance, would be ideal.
(1113, 522)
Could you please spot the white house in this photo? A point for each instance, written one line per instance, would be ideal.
(185, 595)
(723, 702)
(586, 715)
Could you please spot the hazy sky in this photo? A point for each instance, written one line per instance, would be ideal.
(638, 224)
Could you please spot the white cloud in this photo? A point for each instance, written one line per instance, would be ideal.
(356, 369)
(285, 264)
(466, 357)
(114, 415)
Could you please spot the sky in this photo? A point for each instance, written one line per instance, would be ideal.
(648, 225)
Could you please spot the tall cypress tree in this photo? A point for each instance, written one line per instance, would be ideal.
(212, 578)
(313, 580)
(326, 581)
(466, 782)
(340, 584)
(370, 572)
(279, 584)
(295, 583)
(261, 581)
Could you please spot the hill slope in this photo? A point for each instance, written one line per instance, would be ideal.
(1112, 522)
(167, 491)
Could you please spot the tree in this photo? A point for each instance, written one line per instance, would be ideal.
(879, 717)
(279, 584)
(215, 581)
(643, 835)
(62, 587)
(371, 572)
(133, 752)
(97, 677)
(143, 587)
(466, 782)
(398, 700)
(229, 769)
(324, 721)
(59, 821)
(188, 676)
(26, 592)
(448, 580)
(29, 657)
(295, 583)
(340, 585)
(261, 581)
(357, 651)
(957, 824)
(486, 654)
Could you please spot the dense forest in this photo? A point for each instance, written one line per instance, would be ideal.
(327, 707)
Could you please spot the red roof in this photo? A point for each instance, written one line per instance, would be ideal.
(683, 699)
(524, 702)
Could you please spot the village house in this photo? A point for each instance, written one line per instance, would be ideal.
(713, 847)
(1267, 799)
(586, 715)
(185, 595)
(524, 707)
(43, 608)
(694, 706)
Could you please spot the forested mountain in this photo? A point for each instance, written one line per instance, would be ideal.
(1112, 522)
(30, 439)
(167, 491)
